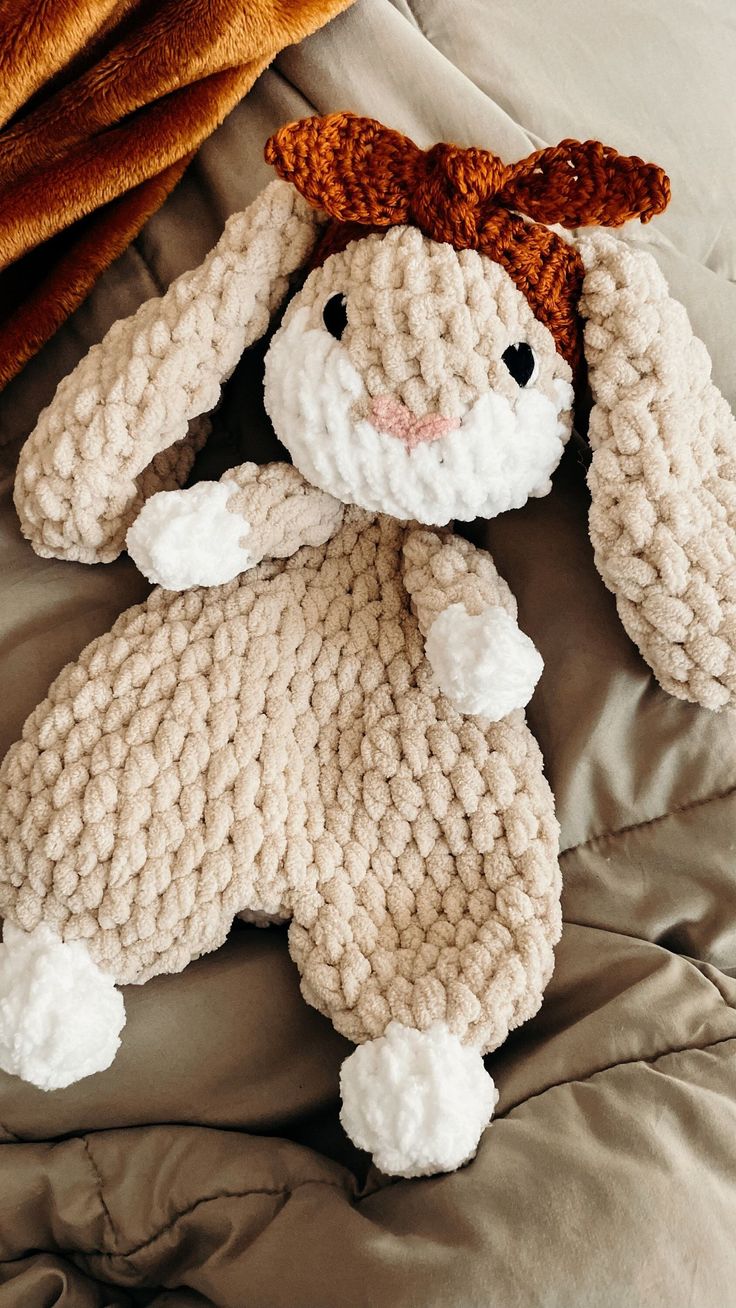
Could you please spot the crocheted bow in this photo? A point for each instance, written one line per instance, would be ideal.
(367, 177)
(359, 171)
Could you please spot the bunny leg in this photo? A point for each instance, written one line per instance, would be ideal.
(61, 1013)
(415, 1093)
(147, 803)
(435, 939)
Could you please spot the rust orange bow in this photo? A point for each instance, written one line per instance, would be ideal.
(368, 177)
(361, 172)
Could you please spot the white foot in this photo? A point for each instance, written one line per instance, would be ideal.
(60, 1014)
(190, 538)
(483, 664)
(418, 1101)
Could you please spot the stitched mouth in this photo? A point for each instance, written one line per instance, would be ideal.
(394, 418)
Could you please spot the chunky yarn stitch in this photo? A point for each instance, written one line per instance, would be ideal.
(366, 175)
(663, 475)
(279, 744)
(126, 422)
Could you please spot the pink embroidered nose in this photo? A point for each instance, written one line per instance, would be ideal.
(391, 416)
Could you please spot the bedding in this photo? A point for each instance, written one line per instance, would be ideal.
(102, 106)
(207, 1165)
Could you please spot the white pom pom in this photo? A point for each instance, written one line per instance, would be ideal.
(418, 1101)
(483, 664)
(190, 538)
(60, 1014)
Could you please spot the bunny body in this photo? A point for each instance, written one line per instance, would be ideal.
(279, 745)
(327, 725)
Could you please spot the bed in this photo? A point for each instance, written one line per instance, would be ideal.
(207, 1166)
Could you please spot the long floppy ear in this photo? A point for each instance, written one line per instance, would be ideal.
(126, 422)
(357, 170)
(663, 474)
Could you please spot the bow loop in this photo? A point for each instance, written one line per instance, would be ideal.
(354, 168)
(585, 183)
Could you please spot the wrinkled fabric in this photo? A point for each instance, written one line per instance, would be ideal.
(207, 1166)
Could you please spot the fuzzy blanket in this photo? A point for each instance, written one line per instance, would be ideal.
(102, 106)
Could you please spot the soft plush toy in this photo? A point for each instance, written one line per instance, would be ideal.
(327, 726)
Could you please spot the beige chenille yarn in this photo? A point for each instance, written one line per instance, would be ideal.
(663, 475)
(318, 714)
(278, 745)
(429, 324)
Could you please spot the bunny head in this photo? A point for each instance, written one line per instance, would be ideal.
(413, 379)
(425, 369)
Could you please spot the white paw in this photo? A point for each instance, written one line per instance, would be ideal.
(483, 664)
(60, 1014)
(418, 1101)
(190, 538)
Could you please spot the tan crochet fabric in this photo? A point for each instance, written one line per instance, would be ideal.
(279, 744)
(429, 324)
(663, 475)
(116, 430)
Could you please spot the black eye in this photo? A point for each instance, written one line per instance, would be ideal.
(520, 361)
(335, 315)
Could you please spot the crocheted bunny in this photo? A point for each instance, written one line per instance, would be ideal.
(327, 725)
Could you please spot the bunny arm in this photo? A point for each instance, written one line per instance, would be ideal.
(126, 422)
(209, 534)
(482, 661)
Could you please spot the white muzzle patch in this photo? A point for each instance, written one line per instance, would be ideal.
(499, 454)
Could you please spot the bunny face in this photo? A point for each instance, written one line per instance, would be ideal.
(413, 379)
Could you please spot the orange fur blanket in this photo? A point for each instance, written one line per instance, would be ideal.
(102, 105)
